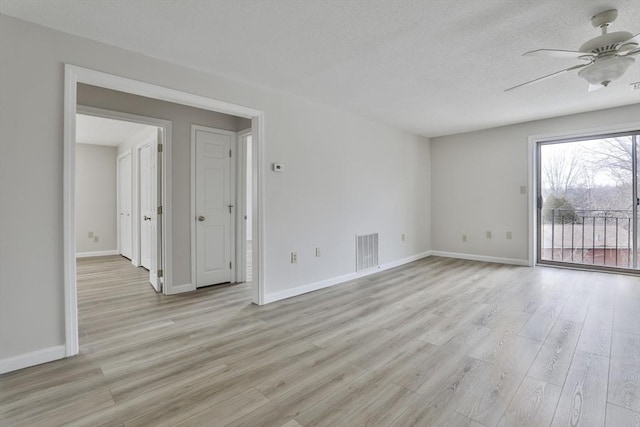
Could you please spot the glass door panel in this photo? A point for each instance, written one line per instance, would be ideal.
(587, 202)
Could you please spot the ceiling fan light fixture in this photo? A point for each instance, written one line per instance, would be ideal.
(604, 71)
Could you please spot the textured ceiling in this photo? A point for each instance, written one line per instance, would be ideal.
(101, 131)
(429, 67)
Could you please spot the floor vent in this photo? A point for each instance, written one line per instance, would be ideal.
(366, 251)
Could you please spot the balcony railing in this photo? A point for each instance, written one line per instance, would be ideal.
(595, 237)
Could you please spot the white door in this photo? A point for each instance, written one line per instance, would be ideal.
(149, 167)
(124, 205)
(146, 203)
(213, 205)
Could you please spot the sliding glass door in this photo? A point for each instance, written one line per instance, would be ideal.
(588, 202)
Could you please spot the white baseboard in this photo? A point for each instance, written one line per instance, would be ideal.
(96, 253)
(471, 257)
(288, 293)
(31, 359)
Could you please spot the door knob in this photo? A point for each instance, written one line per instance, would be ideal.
(147, 218)
(200, 218)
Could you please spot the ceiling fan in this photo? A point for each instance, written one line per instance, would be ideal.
(605, 58)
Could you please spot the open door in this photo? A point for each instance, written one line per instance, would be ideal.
(155, 270)
(150, 161)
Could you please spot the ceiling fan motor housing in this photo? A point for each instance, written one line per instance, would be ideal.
(606, 42)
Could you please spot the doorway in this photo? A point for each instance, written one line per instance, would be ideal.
(587, 202)
(213, 205)
(109, 210)
(221, 205)
(75, 75)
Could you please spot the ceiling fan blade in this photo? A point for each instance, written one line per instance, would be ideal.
(558, 53)
(629, 45)
(631, 52)
(635, 39)
(539, 79)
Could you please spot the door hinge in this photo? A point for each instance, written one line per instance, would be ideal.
(230, 264)
(160, 273)
(160, 148)
(159, 210)
(229, 152)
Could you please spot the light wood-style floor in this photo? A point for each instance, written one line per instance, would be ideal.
(439, 342)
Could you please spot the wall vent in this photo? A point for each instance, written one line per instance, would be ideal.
(366, 251)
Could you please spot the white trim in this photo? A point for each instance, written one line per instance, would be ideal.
(531, 167)
(233, 197)
(288, 293)
(258, 230)
(241, 199)
(71, 79)
(483, 258)
(532, 212)
(74, 75)
(97, 253)
(33, 358)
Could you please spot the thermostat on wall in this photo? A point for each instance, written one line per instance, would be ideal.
(278, 167)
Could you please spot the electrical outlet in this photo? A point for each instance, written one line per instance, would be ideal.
(294, 257)
(509, 235)
(403, 237)
(95, 239)
(317, 251)
(488, 234)
(464, 237)
(523, 189)
(90, 235)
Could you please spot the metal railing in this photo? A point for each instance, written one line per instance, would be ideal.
(595, 237)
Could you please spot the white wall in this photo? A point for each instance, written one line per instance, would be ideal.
(343, 175)
(476, 179)
(143, 135)
(95, 198)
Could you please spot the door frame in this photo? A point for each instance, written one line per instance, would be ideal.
(233, 196)
(118, 219)
(532, 154)
(241, 203)
(72, 76)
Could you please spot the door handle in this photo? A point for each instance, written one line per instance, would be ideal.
(200, 218)
(147, 218)
(230, 206)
